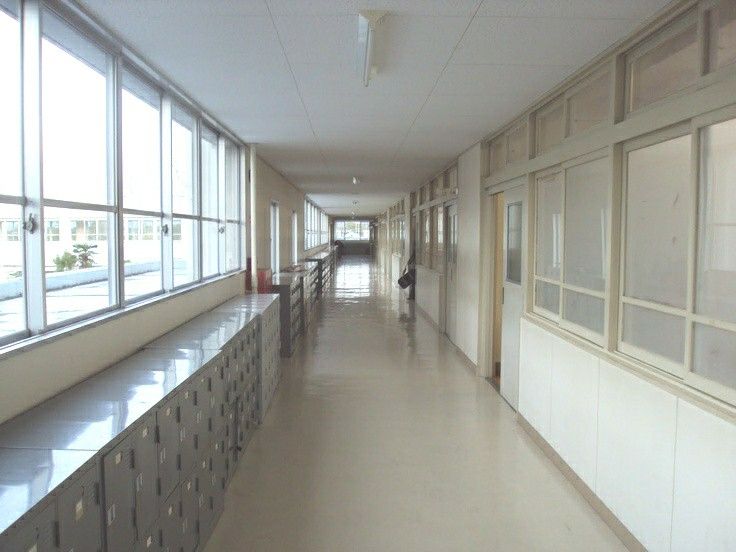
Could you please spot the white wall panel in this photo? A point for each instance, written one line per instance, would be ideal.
(636, 454)
(427, 295)
(704, 514)
(535, 371)
(574, 408)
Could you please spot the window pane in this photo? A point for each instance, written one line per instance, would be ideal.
(141, 145)
(513, 243)
(9, 102)
(586, 223)
(590, 105)
(12, 314)
(182, 163)
(549, 226)
(232, 196)
(142, 254)
(658, 203)
(722, 35)
(210, 236)
(583, 310)
(232, 260)
(550, 127)
(667, 67)
(547, 296)
(78, 274)
(517, 141)
(186, 251)
(209, 173)
(714, 354)
(74, 108)
(654, 331)
(715, 293)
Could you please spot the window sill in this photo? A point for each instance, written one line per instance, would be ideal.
(28, 343)
(661, 379)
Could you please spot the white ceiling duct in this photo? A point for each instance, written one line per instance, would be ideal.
(368, 20)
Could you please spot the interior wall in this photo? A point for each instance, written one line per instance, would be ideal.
(468, 251)
(272, 186)
(40, 372)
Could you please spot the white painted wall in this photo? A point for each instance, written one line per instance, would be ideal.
(428, 288)
(34, 375)
(662, 465)
(468, 252)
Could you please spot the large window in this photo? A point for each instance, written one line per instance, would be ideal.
(572, 246)
(353, 230)
(316, 226)
(94, 224)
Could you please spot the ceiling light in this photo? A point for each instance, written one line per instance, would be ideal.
(368, 20)
(355, 202)
(355, 180)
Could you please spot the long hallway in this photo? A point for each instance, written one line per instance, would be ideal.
(380, 438)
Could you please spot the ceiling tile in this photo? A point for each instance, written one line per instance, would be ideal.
(318, 39)
(626, 9)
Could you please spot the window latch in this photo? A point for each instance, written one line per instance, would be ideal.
(221, 229)
(30, 225)
(165, 229)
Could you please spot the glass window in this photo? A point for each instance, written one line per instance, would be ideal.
(547, 296)
(12, 309)
(77, 264)
(183, 181)
(210, 237)
(664, 64)
(549, 226)
(513, 243)
(658, 203)
(141, 137)
(10, 134)
(208, 147)
(586, 224)
(186, 251)
(584, 310)
(660, 334)
(590, 105)
(722, 35)
(714, 354)
(231, 182)
(142, 260)
(74, 122)
(232, 260)
(550, 126)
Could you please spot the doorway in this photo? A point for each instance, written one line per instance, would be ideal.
(451, 272)
(508, 298)
(275, 264)
(294, 238)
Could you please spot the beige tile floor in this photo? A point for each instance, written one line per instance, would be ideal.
(381, 439)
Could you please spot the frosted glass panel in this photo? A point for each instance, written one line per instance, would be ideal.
(656, 332)
(550, 128)
(723, 34)
(513, 243)
(715, 293)
(549, 226)
(658, 201)
(584, 310)
(547, 296)
(590, 105)
(517, 140)
(668, 67)
(586, 222)
(714, 354)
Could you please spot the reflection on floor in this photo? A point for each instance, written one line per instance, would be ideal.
(380, 438)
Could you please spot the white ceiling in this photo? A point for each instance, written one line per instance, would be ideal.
(281, 73)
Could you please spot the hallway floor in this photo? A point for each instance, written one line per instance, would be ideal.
(380, 438)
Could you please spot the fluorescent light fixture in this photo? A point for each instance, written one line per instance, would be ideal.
(368, 20)
(355, 180)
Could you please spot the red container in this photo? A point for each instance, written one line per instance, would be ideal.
(265, 277)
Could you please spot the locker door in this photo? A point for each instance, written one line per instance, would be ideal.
(119, 499)
(36, 534)
(167, 421)
(170, 523)
(145, 470)
(203, 414)
(205, 514)
(189, 514)
(150, 540)
(79, 514)
(187, 429)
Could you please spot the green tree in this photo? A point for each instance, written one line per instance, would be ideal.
(85, 254)
(65, 261)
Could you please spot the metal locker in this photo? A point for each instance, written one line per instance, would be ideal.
(205, 513)
(169, 520)
(187, 429)
(167, 423)
(79, 513)
(150, 540)
(202, 415)
(145, 471)
(189, 513)
(119, 500)
(220, 460)
(35, 534)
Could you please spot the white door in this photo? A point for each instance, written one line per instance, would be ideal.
(275, 245)
(513, 276)
(451, 273)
